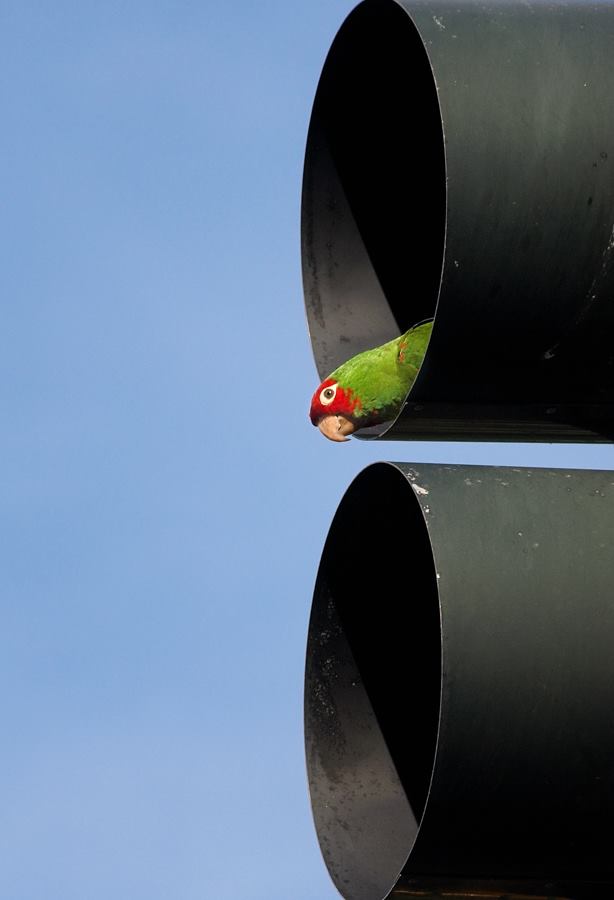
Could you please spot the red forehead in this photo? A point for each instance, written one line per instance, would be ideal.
(344, 403)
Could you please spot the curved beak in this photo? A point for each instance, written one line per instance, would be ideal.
(336, 428)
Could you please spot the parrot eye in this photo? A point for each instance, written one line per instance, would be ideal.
(328, 395)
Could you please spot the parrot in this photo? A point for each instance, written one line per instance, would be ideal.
(371, 387)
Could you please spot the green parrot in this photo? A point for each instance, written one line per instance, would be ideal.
(370, 388)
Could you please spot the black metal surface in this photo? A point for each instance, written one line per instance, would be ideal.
(460, 162)
(460, 684)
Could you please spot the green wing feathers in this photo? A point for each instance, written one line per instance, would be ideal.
(412, 349)
(381, 378)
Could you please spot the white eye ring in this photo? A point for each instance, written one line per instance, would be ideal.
(328, 395)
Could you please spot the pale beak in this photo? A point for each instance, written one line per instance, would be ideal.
(335, 428)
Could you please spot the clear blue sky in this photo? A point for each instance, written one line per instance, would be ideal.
(164, 497)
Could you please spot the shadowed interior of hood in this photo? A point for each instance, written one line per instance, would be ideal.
(375, 626)
(377, 103)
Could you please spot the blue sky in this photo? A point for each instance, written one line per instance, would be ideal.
(164, 497)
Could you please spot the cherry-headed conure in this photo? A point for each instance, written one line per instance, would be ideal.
(370, 388)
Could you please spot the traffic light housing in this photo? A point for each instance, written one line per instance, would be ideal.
(460, 165)
(460, 684)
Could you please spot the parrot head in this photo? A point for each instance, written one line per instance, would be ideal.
(333, 409)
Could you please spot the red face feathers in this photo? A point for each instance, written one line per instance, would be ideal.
(333, 409)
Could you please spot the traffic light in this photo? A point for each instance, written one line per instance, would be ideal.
(460, 684)
(460, 665)
(460, 164)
